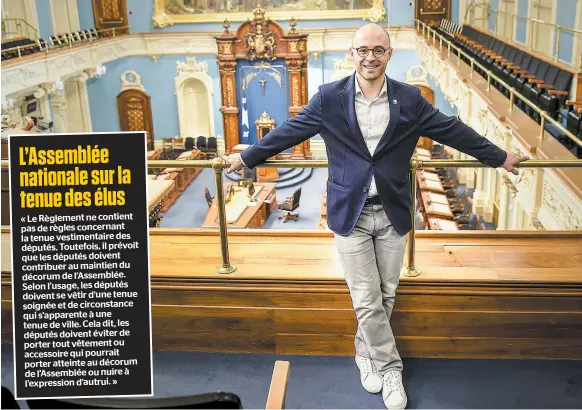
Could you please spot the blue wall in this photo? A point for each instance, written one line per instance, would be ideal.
(275, 100)
(158, 81)
(43, 13)
(521, 26)
(566, 17)
(86, 18)
(398, 12)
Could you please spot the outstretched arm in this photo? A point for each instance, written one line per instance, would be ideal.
(449, 131)
(292, 132)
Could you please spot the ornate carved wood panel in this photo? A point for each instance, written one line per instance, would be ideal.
(135, 114)
(433, 11)
(109, 14)
(261, 39)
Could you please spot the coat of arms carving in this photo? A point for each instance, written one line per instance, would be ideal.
(259, 42)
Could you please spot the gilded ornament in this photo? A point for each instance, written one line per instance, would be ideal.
(259, 42)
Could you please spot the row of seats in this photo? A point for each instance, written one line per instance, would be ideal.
(448, 29)
(207, 146)
(29, 46)
(545, 85)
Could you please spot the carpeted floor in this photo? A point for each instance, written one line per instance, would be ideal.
(333, 382)
(190, 209)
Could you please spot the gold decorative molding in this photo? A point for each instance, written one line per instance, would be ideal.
(560, 211)
(191, 66)
(172, 12)
(162, 20)
(131, 80)
(347, 64)
(526, 178)
(259, 42)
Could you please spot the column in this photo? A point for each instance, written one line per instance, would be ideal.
(504, 205)
(229, 109)
(59, 105)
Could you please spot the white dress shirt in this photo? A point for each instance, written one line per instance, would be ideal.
(373, 117)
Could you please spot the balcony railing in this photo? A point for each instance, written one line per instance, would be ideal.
(45, 45)
(429, 32)
(532, 39)
(218, 165)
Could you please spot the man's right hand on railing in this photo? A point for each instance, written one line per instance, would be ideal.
(235, 162)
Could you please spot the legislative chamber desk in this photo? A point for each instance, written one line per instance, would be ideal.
(425, 183)
(243, 211)
(439, 224)
(157, 193)
(435, 206)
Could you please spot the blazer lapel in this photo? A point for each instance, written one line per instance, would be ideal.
(349, 102)
(394, 107)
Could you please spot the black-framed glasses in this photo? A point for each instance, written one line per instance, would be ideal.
(378, 51)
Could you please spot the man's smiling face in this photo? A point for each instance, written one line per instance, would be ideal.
(371, 51)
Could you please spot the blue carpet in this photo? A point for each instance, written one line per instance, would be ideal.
(190, 209)
(333, 382)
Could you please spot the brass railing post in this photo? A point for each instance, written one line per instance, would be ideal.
(410, 269)
(472, 66)
(218, 165)
(558, 44)
(488, 80)
(511, 98)
(542, 125)
(459, 57)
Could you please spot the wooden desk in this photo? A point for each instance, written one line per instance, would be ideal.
(433, 197)
(429, 185)
(240, 211)
(157, 192)
(432, 209)
(425, 158)
(430, 176)
(153, 155)
(423, 151)
(438, 224)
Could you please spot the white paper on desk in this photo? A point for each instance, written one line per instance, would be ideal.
(252, 204)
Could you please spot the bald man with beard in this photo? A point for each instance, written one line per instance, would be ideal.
(370, 125)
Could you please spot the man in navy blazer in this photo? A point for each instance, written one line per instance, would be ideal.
(371, 125)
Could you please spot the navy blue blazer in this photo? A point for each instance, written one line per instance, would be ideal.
(331, 113)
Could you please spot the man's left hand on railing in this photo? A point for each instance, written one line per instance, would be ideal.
(512, 160)
(235, 162)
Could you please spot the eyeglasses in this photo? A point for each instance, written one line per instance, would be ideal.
(378, 51)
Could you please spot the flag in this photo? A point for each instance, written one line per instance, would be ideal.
(245, 118)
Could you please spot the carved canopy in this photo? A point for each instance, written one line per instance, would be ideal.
(255, 40)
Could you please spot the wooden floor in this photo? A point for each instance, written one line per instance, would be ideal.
(479, 294)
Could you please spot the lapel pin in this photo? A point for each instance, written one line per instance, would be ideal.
(394, 102)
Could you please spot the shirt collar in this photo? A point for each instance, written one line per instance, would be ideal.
(384, 90)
